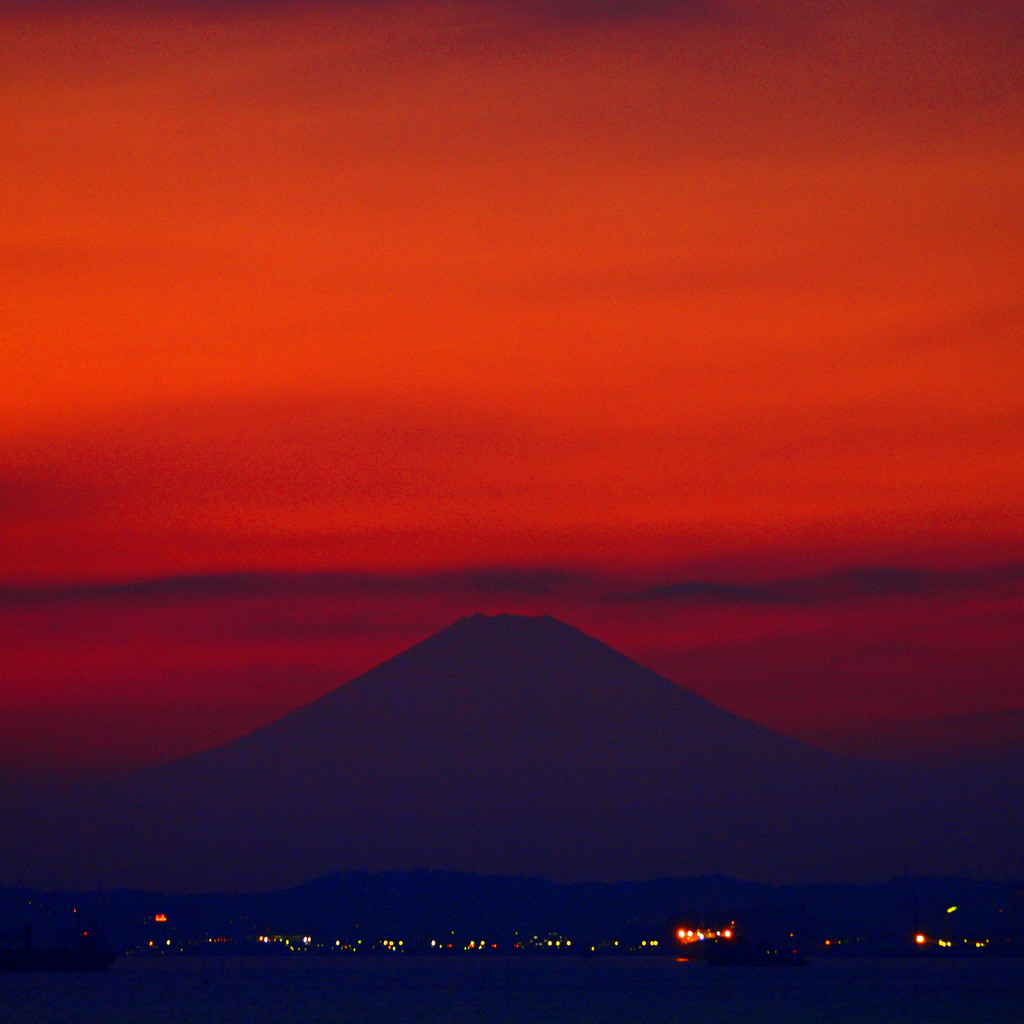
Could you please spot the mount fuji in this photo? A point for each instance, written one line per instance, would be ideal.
(516, 746)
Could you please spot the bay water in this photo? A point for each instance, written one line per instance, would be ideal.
(521, 990)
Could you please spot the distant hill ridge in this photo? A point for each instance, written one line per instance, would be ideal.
(510, 745)
(420, 903)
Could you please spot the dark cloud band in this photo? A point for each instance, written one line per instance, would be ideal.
(497, 581)
(834, 587)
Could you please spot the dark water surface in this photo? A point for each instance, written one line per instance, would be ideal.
(411, 990)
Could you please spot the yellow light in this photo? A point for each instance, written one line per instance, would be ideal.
(949, 910)
(920, 939)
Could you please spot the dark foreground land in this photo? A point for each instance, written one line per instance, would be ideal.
(444, 913)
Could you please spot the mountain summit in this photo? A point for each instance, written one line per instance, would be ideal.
(502, 745)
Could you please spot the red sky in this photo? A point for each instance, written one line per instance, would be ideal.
(326, 323)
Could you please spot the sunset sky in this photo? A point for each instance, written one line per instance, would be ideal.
(697, 324)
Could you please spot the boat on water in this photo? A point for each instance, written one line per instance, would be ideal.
(742, 952)
(77, 951)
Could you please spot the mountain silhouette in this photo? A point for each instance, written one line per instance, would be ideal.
(516, 746)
